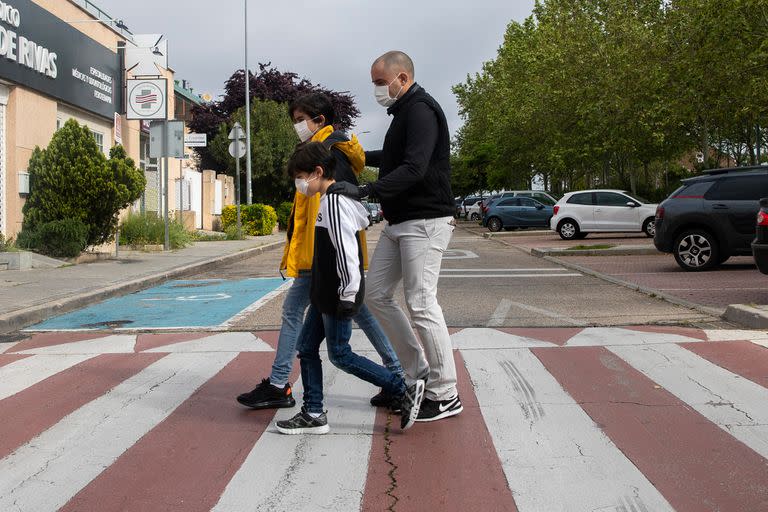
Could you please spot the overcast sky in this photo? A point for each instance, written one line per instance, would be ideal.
(330, 42)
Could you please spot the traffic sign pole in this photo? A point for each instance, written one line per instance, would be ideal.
(236, 149)
(167, 244)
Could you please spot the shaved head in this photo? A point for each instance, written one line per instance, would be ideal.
(396, 61)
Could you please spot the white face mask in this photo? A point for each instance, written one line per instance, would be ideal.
(302, 185)
(303, 131)
(382, 94)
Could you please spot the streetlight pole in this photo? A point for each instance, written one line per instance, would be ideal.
(249, 191)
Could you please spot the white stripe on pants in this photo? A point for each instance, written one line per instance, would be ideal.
(412, 252)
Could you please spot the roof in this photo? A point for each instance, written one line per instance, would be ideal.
(108, 21)
(187, 94)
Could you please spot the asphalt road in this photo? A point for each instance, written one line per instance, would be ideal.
(486, 283)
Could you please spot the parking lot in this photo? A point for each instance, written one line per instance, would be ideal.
(735, 282)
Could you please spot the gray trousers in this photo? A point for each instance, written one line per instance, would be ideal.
(412, 252)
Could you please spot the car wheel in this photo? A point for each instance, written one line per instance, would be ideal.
(475, 216)
(696, 250)
(568, 229)
(494, 224)
(649, 227)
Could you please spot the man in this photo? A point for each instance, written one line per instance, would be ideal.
(415, 192)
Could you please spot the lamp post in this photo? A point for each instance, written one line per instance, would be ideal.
(249, 191)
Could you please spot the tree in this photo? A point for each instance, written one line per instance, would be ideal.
(72, 179)
(268, 85)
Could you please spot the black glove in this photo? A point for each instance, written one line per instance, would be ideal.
(345, 309)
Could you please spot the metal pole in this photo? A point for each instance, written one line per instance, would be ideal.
(249, 191)
(237, 187)
(167, 245)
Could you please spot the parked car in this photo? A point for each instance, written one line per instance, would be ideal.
(376, 214)
(367, 206)
(474, 211)
(760, 244)
(540, 195)
(711, 217)
(466, 203)
(516, 212)
(602, 211)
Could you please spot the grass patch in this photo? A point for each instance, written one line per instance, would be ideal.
(590, 247)
(149, 229)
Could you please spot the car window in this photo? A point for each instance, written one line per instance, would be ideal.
(741, 188)
(612, 199)
(508, 202)
(639, 199)
(525, 201)
(543, 198)
(585, 198)
(694, 190)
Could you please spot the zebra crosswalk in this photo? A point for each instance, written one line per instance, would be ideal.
(571, 419)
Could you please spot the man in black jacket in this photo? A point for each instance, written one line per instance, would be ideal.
(415, 191)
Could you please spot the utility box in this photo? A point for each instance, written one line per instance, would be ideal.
(24, 183)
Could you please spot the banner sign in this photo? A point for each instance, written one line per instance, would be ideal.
(42, 52)
(147, 99)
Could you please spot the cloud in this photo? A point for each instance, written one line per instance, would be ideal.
(331, 42)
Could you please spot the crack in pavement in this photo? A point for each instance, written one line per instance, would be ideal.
(393, 467)
(722, 402)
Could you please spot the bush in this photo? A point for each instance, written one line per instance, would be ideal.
(72, 179)
(257, 219)
(7, 245)
(283, 214)
(149, 229)
(232, 233)
(65, 238)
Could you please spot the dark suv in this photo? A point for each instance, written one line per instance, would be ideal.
(711, 217)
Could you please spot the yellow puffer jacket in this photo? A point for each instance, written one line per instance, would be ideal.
(300, 243)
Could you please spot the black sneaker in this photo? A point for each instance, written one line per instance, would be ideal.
(303, 423)
(433, 410)
(384, 399)
(267, 396)
(410, 403)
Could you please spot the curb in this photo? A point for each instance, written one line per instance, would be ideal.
(619, 250)
(718, 313)
(747, 316)
(512, 234)
(22, 318)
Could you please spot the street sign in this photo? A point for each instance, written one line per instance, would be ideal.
(147, 99)
(174, 138)
(237, 148)
(237, 132)
(196, 140)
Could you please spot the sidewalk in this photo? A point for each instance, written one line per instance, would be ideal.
(30, 296)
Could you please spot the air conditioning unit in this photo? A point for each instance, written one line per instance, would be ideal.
(24, 183)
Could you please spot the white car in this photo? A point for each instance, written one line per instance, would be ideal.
(473, 211)
(602, 211)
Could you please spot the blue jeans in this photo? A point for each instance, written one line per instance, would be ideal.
(294, 306)
(336, 331)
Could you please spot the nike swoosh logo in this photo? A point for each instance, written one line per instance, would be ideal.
(447, 406)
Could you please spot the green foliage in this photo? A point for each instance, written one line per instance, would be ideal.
(283, 211)
(256, 219)
(149, 229)
(590, 93)
(72, 179)
(7, 245)
(232, 233)
(64, 238)
(273, 139)
(368, 175)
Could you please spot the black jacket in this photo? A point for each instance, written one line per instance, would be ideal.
(414, 164)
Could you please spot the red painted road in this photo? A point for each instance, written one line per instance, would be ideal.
(184, 462)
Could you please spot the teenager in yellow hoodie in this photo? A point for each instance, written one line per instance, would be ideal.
(314, 116)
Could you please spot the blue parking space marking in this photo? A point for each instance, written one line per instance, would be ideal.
(173, 305)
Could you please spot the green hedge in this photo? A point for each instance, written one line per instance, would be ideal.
(283, 214)
(149, 229)
(65, 238)
(257, 219)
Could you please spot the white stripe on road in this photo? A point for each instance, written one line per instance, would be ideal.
(306, 472)
(474, 339)
(500, 315)
(475, 276)
(19, 375)
(737, 405)
(550, 314)
(224, 342)
(547, 269)
(608, 336)
(48, 471)
(554, 456)
(114, 344)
